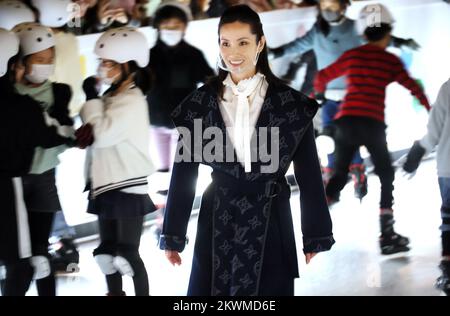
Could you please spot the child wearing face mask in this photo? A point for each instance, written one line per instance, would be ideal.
(331, 36)
(118, 161)
(22, 232)
(176, 69)
(37, 45)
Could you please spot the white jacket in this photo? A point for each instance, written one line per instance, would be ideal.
(439, 131)
(120, 153)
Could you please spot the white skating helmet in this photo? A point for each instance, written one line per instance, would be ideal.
(373, 15)
(53, 13)
(13, 12)
(10, 48)
(34, 37)
(122, 45)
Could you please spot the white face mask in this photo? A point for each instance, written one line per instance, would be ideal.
(171, 37)
(40, 73)
(103, 75)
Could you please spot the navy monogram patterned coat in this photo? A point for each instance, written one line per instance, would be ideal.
(245, 239)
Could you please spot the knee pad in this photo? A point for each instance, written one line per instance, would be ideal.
(106, 263)
(123, 266)
(41, 266)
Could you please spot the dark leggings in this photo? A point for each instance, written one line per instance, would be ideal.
(351, 133)
(123, 236)
(19, 273)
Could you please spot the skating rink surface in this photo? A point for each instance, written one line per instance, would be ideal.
(354, 266)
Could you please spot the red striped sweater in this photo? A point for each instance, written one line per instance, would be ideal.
(369, 70)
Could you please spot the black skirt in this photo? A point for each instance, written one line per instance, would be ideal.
(117, 204)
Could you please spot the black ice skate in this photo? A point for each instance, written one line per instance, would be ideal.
(390, 241)
(65, 259)
(443, 282)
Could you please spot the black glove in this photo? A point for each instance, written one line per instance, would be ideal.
(275, 52)
(90, 88)
(84, 136)
(414, 157)
(401, 42)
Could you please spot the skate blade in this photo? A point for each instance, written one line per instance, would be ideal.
(391, 250)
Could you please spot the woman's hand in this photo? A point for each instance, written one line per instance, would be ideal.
(84, 136)
(173, 257)
(309, 256)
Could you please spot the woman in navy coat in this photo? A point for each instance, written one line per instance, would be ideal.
(248, 127)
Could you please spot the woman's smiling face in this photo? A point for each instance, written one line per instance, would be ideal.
(239, 49)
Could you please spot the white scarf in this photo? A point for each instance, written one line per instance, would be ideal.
(242, 129)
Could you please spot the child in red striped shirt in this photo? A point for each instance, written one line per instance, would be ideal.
(369, 69)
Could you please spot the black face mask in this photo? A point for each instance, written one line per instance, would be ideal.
(331, 16)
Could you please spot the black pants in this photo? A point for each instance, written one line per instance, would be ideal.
(351, 133)
(19, 272)
(122, 237)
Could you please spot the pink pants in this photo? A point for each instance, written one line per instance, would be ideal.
(165, 141)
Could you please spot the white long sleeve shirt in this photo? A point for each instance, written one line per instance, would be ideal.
(240, 109)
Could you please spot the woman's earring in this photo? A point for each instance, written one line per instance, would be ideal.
(255, 62)
(221, 64)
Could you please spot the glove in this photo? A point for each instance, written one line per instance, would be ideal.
(90, 88)
(412, 44)
(401, 42)
(274, 53)
(414, 157)
(84, 136)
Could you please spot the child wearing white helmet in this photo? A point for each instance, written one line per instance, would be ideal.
(333, 34)
(118, 160)
(360, 121)
(37, 44)
(58, 16)
(22, 231)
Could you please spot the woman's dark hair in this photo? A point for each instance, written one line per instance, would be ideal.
(169, 12)
(376, 33)
(244, 14)
(324, 25)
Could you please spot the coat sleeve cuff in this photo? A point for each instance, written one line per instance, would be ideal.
(317, 244)
(168, 242)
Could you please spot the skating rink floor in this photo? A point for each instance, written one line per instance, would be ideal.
(354, 266)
